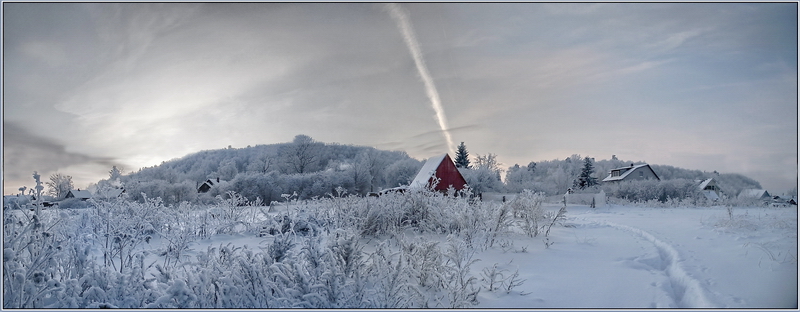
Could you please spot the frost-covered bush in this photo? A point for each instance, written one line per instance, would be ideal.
(300, 224)
(528, 207)
(388, 273)
(649, 190)
(462, 291)
(121, 226)
(313, 254)
(74, 203)
(31, 250)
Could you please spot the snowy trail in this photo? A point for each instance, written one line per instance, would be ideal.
(686, 292)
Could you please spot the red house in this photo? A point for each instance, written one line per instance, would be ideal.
(439, 167)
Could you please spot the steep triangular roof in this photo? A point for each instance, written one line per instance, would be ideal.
(705, 183)
(441, 167)
(628, 171)
(754, 193)
(80, 194)
(427, 171)
(109, 193)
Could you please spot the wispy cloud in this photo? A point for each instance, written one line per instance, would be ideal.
(24, 152)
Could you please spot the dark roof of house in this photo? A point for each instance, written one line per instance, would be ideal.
(627, 171)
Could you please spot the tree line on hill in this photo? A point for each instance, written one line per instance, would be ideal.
(305, 169)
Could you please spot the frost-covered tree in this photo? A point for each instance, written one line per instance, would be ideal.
(402, 172)
(484, 175)
(482, 180)
(462, 156)
(302, 156)
(262, 163)
(115, 173)
(360, 171)
(519, 178)
(59, 185)
(488, 161)
(227, 170)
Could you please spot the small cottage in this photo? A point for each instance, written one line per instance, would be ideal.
(82, 195)
(709, 188)
(442, 168)
(633, 172)
(109, 194)
(205, 186)
(754, 194)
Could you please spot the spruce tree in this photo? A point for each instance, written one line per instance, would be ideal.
(462, 156)
(585, 179)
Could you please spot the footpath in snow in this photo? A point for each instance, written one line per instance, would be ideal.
(638, 257)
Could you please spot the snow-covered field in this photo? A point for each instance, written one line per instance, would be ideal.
(635, 257)
(607, 257)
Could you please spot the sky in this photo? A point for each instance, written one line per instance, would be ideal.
(705, 86)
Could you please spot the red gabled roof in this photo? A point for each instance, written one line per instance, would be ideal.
(442, 168)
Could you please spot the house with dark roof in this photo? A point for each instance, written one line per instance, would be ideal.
(205, 186)
(82, 195)
(631, 173)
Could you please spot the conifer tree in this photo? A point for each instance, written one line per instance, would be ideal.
(462, 156)
(586, 179)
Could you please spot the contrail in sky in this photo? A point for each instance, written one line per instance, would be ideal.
(404, 25)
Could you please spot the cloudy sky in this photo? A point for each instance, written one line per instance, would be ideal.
(698, 86)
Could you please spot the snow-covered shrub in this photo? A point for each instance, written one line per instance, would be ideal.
(74, 203)
(492, 277)
(559, 216)
(346, 251)
(500, 222)
(121, 226)
(528, 206)
(461, 288)
(389, 276)
(512, 282)
(648, 190)
(382, 215)
(177, 296)
(280, 247)
(425, 263)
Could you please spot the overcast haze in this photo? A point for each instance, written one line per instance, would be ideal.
(698, 86)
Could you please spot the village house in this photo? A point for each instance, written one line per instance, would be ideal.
(82, 195)
(205, 186)
(710, 189)
(109, 194)
(442, 168)
(633, 172)
(754, 194)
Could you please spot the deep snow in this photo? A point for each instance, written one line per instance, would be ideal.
(639, 257)
(636, 257)
(620, 257)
